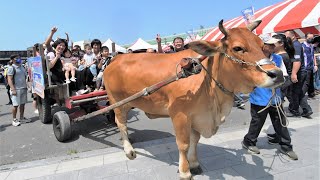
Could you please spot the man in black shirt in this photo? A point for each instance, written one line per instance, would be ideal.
(298, 77)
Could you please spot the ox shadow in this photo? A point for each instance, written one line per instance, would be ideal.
(220, 161)
(99, 129)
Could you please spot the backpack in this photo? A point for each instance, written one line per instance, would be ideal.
(6, 76)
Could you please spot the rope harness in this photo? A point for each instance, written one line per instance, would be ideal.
(196, 62)
(265, 61)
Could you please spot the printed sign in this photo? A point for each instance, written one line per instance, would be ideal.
(248, 15)
(35, 72)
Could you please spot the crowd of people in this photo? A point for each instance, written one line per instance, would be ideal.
(299, 63)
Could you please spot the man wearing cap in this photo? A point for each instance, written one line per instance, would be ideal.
(259, 100)
(18, 88)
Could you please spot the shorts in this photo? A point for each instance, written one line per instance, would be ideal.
(68, 66)
(20, 97)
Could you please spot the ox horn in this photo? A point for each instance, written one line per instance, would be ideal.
(252, 26)
(222, 29)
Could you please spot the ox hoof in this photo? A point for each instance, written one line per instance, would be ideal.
(131, 155)
(196, 170)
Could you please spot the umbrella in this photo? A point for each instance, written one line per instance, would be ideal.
(300, 15)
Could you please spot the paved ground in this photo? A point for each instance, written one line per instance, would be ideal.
(95, 147)
(35, 140)
(221, 157)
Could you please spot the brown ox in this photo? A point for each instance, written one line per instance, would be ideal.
(196, 105)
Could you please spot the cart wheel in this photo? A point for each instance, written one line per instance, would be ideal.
(44, 108)
(61, 126)
(111, 117)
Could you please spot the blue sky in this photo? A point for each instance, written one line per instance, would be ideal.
(25, 22)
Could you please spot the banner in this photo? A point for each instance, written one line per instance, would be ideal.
(248, 15)
(35, 72)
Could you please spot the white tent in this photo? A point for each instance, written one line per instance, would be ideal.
(118, 48)
(81, 43)
(198, 37)
(141, 44)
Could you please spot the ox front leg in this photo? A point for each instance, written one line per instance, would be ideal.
(192, 153)
(182, 129)
(121, 120)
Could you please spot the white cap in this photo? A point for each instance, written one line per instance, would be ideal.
(267, 39)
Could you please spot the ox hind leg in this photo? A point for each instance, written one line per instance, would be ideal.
(182, 129)
(192, 153)
(121, 114)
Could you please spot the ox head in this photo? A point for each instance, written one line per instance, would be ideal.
(240, 58)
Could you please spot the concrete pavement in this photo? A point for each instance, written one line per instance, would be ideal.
(35, 140)
(221, 157)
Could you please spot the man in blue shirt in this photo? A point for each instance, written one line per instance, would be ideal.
(259, 100)
(309, 61)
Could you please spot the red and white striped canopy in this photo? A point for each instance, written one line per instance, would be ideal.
(301, 15)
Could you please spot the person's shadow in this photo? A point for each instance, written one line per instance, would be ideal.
(235, 163)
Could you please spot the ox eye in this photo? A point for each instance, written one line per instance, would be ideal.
(238, 49)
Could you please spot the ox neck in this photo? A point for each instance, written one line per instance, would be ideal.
(213, 73)
(215, 87)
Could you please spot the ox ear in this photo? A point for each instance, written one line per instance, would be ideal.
(206, 48)
(252, 26)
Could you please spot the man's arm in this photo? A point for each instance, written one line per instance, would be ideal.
(67, 37)
(296, 63)
(158, 38)
(295, 68)
(49, 38)
(315, 62)
(10, 83)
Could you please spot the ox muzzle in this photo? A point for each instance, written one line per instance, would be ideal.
(275, 75)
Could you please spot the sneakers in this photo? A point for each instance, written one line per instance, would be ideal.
(15, 122)
(36, 111)
(251, 149)
(307, 114)
(25, 120)
(290, 114)
(290, 153)
(311, 95)
(68, 81)
(73, 79)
